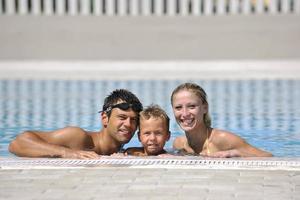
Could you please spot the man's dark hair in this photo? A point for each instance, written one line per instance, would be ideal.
(122, 95)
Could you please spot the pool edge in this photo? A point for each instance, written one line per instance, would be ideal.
(274, 163)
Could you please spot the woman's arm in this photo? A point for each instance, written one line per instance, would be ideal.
(230, 145)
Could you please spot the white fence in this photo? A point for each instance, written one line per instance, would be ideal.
(148, 7)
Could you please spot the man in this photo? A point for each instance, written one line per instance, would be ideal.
(153, 134)
(119, 120)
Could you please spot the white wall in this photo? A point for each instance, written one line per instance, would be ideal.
(148, 7)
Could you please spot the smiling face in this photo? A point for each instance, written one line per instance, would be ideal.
(189, 110)
(121, 125)
(153, 135)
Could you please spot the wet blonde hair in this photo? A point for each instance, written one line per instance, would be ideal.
(199, 92)
(156, 112)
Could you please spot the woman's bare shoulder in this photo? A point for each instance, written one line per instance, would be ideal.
(225, 139)
(181, 144)
(222, 134)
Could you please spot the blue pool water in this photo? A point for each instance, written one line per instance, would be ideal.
(264, 112)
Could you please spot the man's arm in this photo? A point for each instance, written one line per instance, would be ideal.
(68, 142)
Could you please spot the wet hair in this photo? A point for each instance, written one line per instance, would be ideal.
(156, 112)
(122, 95)
(199, 92)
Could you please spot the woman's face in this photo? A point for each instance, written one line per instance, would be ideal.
(188, 110)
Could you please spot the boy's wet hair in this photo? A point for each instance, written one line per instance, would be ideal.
(156, 112)
(121, 96)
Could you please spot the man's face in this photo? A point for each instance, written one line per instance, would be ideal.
(153, 135)
(122, 124)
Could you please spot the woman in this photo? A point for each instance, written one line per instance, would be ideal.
(190, 107)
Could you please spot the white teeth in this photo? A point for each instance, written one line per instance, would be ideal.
(187, 122)
(124, 131)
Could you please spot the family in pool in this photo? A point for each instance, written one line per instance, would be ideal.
(123, 114)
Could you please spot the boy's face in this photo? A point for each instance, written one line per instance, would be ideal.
(153, 135)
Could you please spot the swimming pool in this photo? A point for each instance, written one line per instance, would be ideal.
(264, 112)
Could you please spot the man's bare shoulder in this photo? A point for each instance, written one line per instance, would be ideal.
(70, 136)
(70, 131)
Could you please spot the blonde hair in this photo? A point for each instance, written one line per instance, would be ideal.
(156, 112)
(199, 92)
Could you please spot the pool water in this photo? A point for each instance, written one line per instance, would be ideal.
(264, 112)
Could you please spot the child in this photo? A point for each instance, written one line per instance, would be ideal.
(153, 132)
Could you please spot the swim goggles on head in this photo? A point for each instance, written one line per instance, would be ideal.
(123, 106)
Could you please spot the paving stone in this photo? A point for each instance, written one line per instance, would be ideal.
(141, 186)
(123, 183)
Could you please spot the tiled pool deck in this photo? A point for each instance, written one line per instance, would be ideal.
(150, 178)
